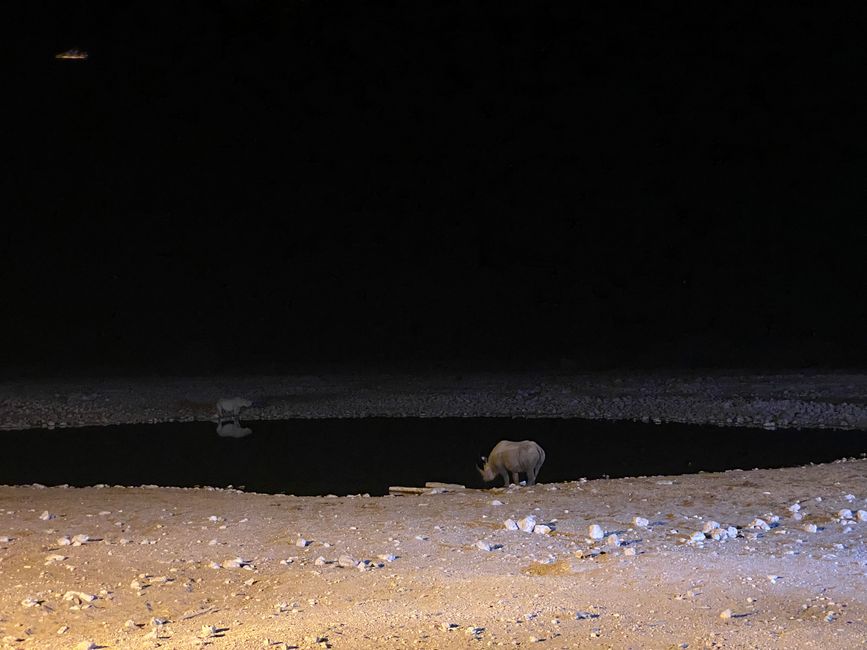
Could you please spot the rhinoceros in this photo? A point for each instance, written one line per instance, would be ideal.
(232, 405)
(513, 457)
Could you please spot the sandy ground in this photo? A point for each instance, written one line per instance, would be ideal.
(749, 399)
(175, 568)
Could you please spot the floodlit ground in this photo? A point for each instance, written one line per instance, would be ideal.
(741, 559)
(173, 568)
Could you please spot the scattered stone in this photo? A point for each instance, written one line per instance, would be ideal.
(207, 631)
(596, 531)
(794, 507)
(726, 613)
(387, 557)
(640, 522)
(527, 523)
(613, 540)
(4, 539)
(830, 617)
(629, 551)
(709, 526)
(696, 537)
(236, 563)
(719, 534)
(64, 541)
(301, 542)
(448, 627)
(542, 529)
(31, 602)
(79, 597)
(86, 645)
(584, 616)
(510, 524)
(845, 513)
(347, 561)
(810, 528)
(496, 502)
(54, 558)
(759, 524)
(773, 579)
(486, 546)
(320, 561)
(78, 540)
(861, 515)
(45, 516)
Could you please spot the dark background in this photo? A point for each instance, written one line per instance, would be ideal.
(240, 185)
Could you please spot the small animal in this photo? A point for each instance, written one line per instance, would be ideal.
(232, 405)
(513, 457)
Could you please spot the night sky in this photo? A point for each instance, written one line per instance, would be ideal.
(259, 185)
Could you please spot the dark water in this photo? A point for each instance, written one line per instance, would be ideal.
(368, 455)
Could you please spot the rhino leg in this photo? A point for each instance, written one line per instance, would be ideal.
(531, 476)
(516, 479)
(505, 475)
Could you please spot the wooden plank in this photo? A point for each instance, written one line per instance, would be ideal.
(446, 486)
(397, 489)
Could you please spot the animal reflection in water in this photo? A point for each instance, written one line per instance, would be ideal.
(233, 406)
(232, 430)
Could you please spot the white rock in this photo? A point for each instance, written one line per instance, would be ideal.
(794, 507)
(861, 515)
(527, 523)
(845, 513)
(640, 522)
(4, 539)
(86, 645)
(810, 528)
(387, 557)
(732, 532)
(510, 524)
(596, 532)
(726, 613)
(484, 546)
(31, 602)
(54, 557)
(45, 516)
(542, 529)
(630, 551)
(760, 524)
(709, 526)
(235, 563)
(613, 540)
(64, 541)
(496, 502)
(80, 596)
(697, 537)
(320, 561)
(78, 540)
(849, 497)
(773, 579)
(347, 561)
(301, 542)
(719, 534)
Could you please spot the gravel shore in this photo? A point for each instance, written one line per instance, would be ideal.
(747, 399)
